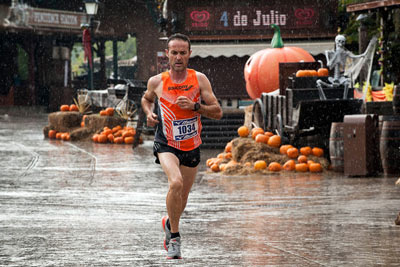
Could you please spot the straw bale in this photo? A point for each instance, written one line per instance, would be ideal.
(46, 130)
(96, 122)
(64, 121)
(247, 150)
(82, 133)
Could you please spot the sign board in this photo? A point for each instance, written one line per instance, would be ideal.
(55, 18)
(299, 19)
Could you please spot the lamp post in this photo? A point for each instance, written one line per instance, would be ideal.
(91, 9)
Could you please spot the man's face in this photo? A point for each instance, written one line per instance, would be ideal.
(178, 54)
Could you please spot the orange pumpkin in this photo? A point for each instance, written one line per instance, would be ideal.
(289, 165)
(283, 149)
(118, 140)
(128, 140)
(64, 108)
(228, 147)
(260, 165)
(215, 167)
(256, 131)
(318, 152)
(302, 159)
(110, 111)
(261, 70)
(102, 138)
(323, 72)
(73, 107)
(292, 152)
(301, 73)
(262, 138)
(274, 167)
(301, 167)
(52, 134)
(274, 141)
(315, 167)
(243, 131)
(103, 113)
(306, 150)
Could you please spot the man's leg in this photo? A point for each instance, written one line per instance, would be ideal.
(170, 165)
(189, 175)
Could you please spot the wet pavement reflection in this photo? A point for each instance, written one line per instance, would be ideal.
(80, 203)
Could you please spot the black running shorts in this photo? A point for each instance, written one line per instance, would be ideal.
(186, 158)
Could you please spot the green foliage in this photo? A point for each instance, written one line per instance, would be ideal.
(126, 50)
(23, 72)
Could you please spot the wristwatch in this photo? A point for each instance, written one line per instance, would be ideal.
(196, 106)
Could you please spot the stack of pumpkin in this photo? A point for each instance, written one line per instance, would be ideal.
(117, 135)
(259, 151)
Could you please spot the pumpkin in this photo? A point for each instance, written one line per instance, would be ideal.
(274, 141)
(261, 70)
(306, 150)
(301, 167)
(260, 165)
(262, 138)
(318, 152)
(315, 167)
(289, 165)
(323, 72)
(215, 167)
(228, 155)
(256, 131)
(274, 167)
(283, 149)
(64, 108)
(52, 134)
(302, 159)
(110, 111)
(243, 131)
(73, 107)
(292, 152)
(228, 147)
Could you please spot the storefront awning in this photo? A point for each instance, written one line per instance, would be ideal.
(247, 49)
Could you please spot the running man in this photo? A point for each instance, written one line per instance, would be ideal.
(183, 95)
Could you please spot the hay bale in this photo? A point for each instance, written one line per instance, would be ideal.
(247, 150)
(82, 133)
(64, 121)
(95, 122)
(46, 130)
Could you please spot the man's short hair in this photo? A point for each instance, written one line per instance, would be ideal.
(179, 36)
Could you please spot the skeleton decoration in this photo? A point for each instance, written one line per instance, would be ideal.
(336, 60)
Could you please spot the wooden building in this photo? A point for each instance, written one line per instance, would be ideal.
(225, 33)
(36, 38)
(387, 12)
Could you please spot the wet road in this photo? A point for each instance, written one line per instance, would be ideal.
(85, 204)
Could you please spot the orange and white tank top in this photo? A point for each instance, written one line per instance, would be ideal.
(179, 128)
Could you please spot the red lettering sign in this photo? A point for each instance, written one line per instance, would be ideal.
(200, 18)
(304, 16)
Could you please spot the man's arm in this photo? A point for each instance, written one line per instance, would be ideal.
(148, 99)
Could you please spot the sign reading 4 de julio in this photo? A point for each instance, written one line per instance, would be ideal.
(251, 18)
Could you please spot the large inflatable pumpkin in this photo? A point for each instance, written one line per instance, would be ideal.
(261, 71)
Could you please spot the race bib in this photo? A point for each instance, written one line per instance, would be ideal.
(185, 129)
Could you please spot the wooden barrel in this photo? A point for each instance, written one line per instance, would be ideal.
(396, 100)
(389, 146)
(336, 152)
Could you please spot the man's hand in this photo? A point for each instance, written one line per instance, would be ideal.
(152, 119)
(184, 103)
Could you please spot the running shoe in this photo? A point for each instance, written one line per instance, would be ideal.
(174, 249)
(167, 232)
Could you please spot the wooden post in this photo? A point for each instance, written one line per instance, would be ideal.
(115, 58)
